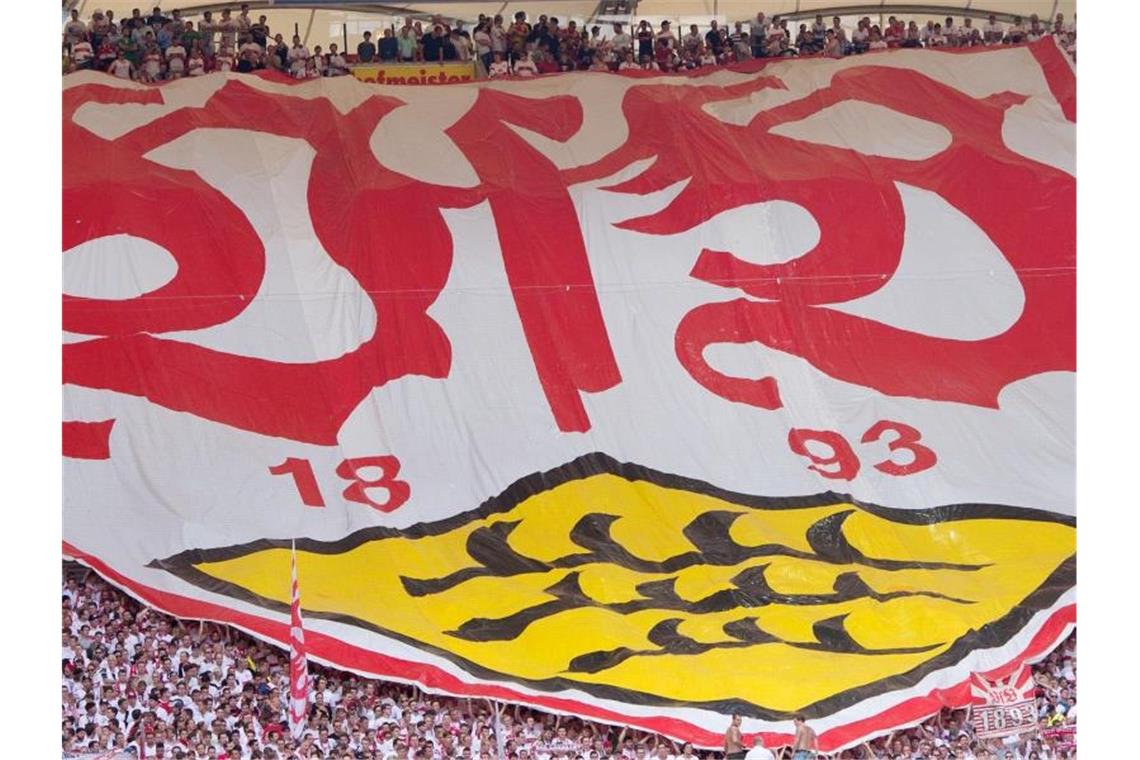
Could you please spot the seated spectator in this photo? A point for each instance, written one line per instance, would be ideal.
(663, 56)
(224, 61)
(877, 42)
(366, 50)
(938, 39)
(1015, 34)
(969, 35)
(597, 63)
(499, 67)
(894, 33)
(805, 43)
(122, 67)
(913, 38)
(525, 67)
(832, 46)
(151, 70)
(861, 37)
(251, 55)
(627, 63)
(82, 55)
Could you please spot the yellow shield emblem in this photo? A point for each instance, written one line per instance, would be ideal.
(640, 586)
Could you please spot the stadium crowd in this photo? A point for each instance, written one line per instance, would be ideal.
(157, 47)
(143, 683)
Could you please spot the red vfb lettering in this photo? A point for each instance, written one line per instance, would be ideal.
(360, 212)
(853, 199)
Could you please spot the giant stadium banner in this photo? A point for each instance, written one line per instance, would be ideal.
(650, 399)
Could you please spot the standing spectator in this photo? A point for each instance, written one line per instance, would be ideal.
(98, 28)
(741, 42)
(498, 37)
(366, 50)
(156, 18)
(620, 44)
(644, 40)
(259, 33)
(713, 41)
(337, 65)
(406, 43)
(818, 33)
(298, 56)
(190, 35)
(992, 31)
(483, 44)
(228, 29)
(841, 34)
(861, 37)
(244, 22)
(389, 46)
(82, 54)
(691, 42)
(73, 31)
(432, 45)
(279, 54)
(517, 37)
(759, 33)
(461, 46)
(207, 28)
(666, 33)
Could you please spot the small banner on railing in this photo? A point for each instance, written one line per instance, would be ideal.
(1004, 708)
(415, 73)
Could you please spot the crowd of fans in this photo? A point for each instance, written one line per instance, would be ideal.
(182, 689)
(158, 47)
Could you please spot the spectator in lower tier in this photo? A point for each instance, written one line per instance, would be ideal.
(366, 50)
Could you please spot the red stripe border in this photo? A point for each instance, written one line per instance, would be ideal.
(332, 651)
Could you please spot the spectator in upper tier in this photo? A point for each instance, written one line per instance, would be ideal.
(366, 50)
(389, 46)
(337, 64)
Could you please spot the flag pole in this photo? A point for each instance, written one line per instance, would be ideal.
(298, 661)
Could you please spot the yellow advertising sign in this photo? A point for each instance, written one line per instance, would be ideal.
(415, 73)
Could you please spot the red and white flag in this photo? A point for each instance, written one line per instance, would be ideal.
(298, 663)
